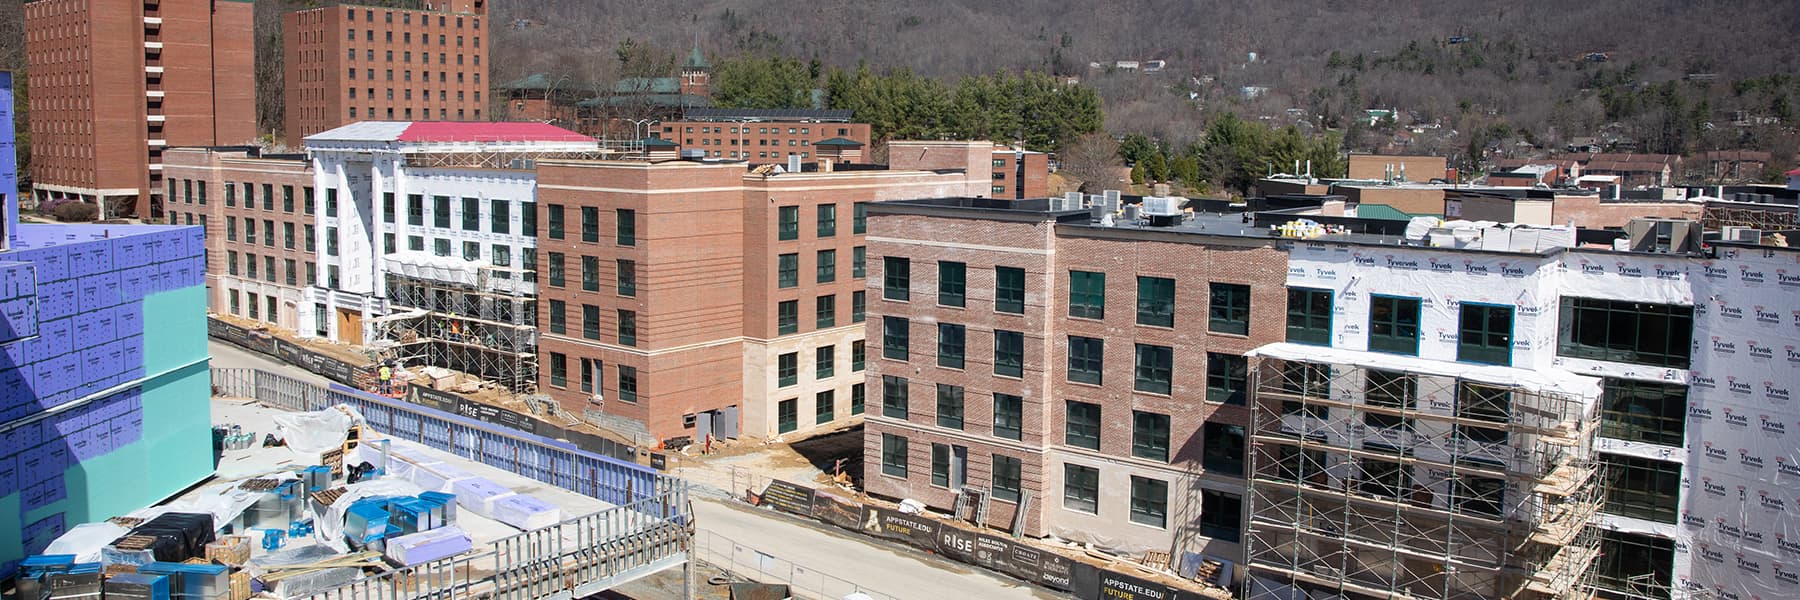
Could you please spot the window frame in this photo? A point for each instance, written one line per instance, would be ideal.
(1398, 340)
(1219, 388)
(1484, 353)
(1153, 369)
(1087, 294)
(1148, 511)
(953, 283)
(1085, 432)
(1009, 290)
(952, 345)
(1676, 325)
(1150, 435)
(1228, 308)
(1155, 301)
(1090, 366)
(1081, 488)
(1303, 324)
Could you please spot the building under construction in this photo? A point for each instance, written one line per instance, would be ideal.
(461, 315)
(1386, 476)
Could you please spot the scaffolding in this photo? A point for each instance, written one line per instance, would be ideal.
(1383, 478)
(1767, 217)
(485, 326)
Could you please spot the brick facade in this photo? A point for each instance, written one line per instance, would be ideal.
(356, 63)
(258, 212)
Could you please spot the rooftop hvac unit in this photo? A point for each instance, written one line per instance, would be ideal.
(1663, 235)
(1735, 233)
(1070, 201)
(1161, 206)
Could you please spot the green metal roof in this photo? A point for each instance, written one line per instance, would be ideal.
(1384, 212)
(838, 141)
(648, 85)
(696, 61)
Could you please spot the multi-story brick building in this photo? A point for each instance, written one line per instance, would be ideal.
(695, 297)
(761, 136)
(1020, 174)
(259, 212)
(1096, 375)
(349, 63)
(114, 83)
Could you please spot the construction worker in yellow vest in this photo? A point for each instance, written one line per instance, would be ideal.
(386, 376)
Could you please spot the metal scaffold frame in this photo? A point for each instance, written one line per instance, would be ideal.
(486, 329)
(515, 160)
(1387, 484)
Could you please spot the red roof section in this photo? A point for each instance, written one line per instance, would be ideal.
(1793, 172)
(451, 131)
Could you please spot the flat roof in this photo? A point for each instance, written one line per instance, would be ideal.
(448, 131)
(765, 114)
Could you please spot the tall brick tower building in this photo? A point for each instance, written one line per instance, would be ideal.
(114, 82)
(358, 63)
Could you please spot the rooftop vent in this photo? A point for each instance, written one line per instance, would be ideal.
(1663, 235)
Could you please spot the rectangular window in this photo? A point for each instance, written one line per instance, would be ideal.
(628, 327)
(231, 229)
(559, 318)
(590, 224)
(1391, 390)
(940, 465)
(471, 250)
(1485, 335)
(1007, 474)
(230, 194)
(1658, 335)
(952, 283)
(825, 311)
(387, 207)
(1081, 427)
(1309, 316)
(1009, 290)
(287, 235)
(471, 214)
(1307, 379)
(1222, 448)
(500, 216)
(895, 338)
(950, 406)
(415, 210)
(627, 277)
(950, 345)
(787, 415)
(1149, 501)
(331, 241)
(1156, 301)
(1476, 402)
(1150, 435)
(856, 398)
(824, 362)
(827, 220)
(1386, 478)
(1642, 487)
(893, 455)
(559, 370)
(1631, 562)
(590, 321)
(1644, 411)
(1394, 325)
(528, 219)
(1081, 488)
(1221, 515)
(787, 317)
(893, 397)
(306, 200)
(269, 233)
(787, 271)
(824, 407)
(1087, 358)
(827, 266)
(859, 259)
(1154, 369)
(590, 273)
(556, 221)
(1087, 295)
(859, 223)
(788, 223)
(1480, 495)
(858, 302)
(558, 274)
(587, 376)
(1227, 378)
(628, 383)
(268, 190)
(440, 211)
(626, 225)
(1009, 353)
(1009, 416)
(857, 356)
(896, 278)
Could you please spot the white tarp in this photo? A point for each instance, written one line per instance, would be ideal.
(424, 265)
(86, 540)
(311, 433)
(1543, 381)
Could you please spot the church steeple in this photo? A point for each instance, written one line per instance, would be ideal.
(696, 78)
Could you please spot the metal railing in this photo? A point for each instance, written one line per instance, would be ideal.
(743, 562)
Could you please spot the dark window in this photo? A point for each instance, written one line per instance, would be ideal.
(556, 221)
(590, 273)
(500, 216)
(893, 397)
(1228, 309)
(1086, 359)
(1635, 563)
(1149, 501)
(950, 345)
(950, 406)
(1292, 464)
(859, 261)
(952, 283)
(1394, 325)
(1082, 425)
(825, 312)
(627, 277)
(1641, 487)
(787, 317)
(1081, 488)
(1221, 515)
(1154, 368)
(558, 275)
(1309, 316)
(859, 222)
(856, 398)
(896, 278)
(787, 415)
(1486, 334)
(471, 214)
(787, 271)
(1007, 473)
(1643, 411)
(1306, 379)
(788, 223)
(559, 370)
(1009, 353)
(1156, 301)
(1009, 416)
(1222, 448)
(857, 354)
(940, 465)
(1479, 495)
(590, 321)
(1009, 290)
(893, 455)
(559, 318)
(1150, 435)
(1475, 402)
(1392, 390)
(824, 362)
(628, 328)
(1386, 478)
(1659, 335)
(787, 369)
(895, 338)
(1087, 295)
(628, 384)
(1227, 378)
(827, 266)
(827, 220)
(528, 219)
(858, 301)
(590, 223)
